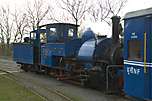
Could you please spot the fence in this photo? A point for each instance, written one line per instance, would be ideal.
(5, 51)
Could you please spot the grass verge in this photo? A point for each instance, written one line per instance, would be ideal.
(10, 90)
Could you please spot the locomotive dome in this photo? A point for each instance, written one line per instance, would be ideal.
(88, 34)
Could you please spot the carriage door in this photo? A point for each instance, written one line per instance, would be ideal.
(147, 56)
(149, 46)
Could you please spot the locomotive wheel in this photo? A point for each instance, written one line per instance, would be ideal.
(40, 70)
(24, 67)
(46, 72)
(96, 80)
(37, 69)
(97, 77)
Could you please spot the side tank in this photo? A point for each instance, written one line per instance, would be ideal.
(86, 52)
(88, 45)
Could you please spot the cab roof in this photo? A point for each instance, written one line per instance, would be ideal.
(138, 13)
(57, 24)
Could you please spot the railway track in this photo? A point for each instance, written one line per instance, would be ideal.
(50, 91)
(54, 91)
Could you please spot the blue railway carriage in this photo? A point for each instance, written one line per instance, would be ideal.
(138, 54)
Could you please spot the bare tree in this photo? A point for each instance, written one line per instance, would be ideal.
(100, 12)
(104, 9)
(2, 39)
(36, 13)
(6, 25)
(20, 24)
(56, 15)
(76, 8)
(115, 6)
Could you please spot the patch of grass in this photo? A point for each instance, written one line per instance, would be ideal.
(1, 72)
(10, 90)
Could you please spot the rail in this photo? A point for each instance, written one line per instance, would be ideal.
(56, 91)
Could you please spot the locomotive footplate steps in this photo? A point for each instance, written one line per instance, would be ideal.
(117, 83)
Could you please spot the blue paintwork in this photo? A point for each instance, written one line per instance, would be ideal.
(62, 45)
(138, 84)
(23, 53)
(86, 51)
(59, 45)
(52, 50)
(67, 48)
(91, 49)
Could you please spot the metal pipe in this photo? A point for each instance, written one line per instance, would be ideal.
(107, 76)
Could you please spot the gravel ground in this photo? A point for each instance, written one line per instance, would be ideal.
(46, 86)
(74, 92)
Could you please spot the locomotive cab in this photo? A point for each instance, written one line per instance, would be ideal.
(62, 42)
(60, 32)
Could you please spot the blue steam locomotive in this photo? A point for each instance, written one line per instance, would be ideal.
(94, 61)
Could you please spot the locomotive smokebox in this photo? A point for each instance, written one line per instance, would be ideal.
(116, 28)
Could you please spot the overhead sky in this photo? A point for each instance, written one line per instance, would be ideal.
(131, 5)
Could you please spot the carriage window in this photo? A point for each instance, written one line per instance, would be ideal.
(52, 31)
(70, 32)
(134, 50)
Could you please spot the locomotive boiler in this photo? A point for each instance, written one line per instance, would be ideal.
(102, 48)
(100, 59)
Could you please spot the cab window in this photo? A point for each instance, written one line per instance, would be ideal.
(134, 50)
(52, 31)
(70, 32)
(43, 38)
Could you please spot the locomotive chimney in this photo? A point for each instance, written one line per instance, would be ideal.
(116, 28)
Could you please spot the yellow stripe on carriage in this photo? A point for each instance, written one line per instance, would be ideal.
(145, 53)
